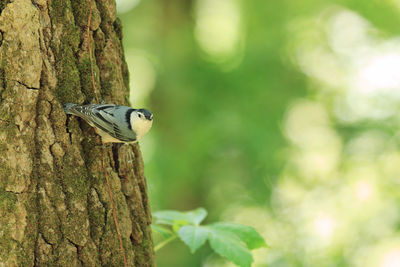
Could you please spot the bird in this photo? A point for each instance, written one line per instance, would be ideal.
(114, 123)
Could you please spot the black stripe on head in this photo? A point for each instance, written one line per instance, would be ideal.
(128, 117)
(146, 113)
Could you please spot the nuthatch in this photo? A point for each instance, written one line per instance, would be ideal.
(115, 124)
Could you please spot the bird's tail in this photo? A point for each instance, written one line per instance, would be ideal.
(67, 108)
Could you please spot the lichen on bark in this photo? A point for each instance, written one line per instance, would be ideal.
(55, 209)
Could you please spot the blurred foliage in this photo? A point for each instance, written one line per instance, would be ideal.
(230, 240)
(282, 115)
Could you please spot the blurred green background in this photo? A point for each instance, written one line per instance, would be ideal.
(281, 115)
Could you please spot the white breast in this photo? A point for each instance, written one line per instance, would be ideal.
(141, 127)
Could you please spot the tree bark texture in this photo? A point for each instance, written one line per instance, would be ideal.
(55, 209)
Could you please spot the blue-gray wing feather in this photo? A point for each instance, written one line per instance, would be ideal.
(106, 117)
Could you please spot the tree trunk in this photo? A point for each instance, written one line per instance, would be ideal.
(55, 209)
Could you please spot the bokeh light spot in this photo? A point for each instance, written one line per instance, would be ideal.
(218, 28)
(126, 5)
(363, 190)
(391, 259)
(324, 226)
(381, 73)
(142, 76)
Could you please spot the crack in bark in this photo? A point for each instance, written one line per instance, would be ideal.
(15, 192)
(46, 241)
(36, 252)
(90, 228)
(78, 251)
(28, 87)
(142, 182)
(115, 155)
(104, 230)
(36, 175)
(67, 129)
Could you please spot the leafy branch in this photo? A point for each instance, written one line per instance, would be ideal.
(230, 240)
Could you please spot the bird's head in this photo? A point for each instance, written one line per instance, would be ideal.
(141, 121)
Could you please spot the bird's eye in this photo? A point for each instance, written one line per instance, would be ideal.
(140, 115)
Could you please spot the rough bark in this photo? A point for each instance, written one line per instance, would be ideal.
(55, 209)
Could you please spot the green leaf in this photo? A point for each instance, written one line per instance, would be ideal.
(228, 245)
(173, 217)
(165, 232)
(169, 217)
(247, 234)
(193, 236)
(196, 216)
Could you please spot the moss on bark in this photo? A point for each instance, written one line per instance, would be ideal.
(55, 209)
